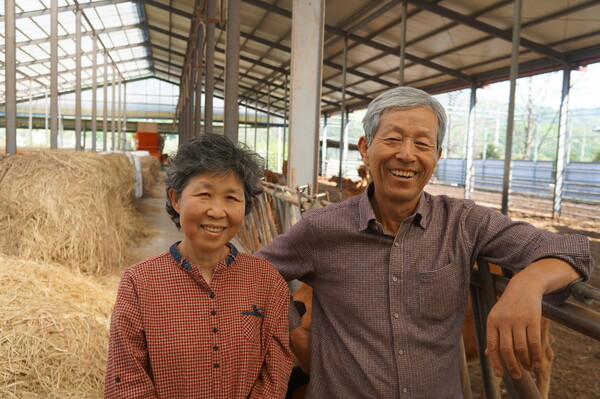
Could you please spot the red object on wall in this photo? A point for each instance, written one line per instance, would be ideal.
(149, 142)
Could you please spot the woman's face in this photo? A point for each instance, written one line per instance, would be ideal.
(211, 210)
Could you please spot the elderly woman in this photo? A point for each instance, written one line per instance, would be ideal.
(202, 320)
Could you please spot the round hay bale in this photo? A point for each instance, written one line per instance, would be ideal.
(151, 176)
(69, 207)
(54, 327)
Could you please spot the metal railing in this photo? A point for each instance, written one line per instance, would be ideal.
(531, 185)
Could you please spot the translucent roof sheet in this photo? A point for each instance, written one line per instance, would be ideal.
(119, 35)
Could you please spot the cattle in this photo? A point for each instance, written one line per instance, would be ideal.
(304, 295)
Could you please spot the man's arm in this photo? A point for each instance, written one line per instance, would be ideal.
(291, 254)
(513, 326)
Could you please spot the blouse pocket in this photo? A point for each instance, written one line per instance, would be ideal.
(251, 325)
(440, 293)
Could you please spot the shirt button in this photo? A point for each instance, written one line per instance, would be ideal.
(213, 312)
(396, 315)
(401, 352)
(396, 244)
(395, 279)
(212, 295)
(215, 348)
(404, 390)
(215, 330)
(216, 365)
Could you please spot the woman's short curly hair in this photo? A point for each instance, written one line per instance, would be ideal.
(214, 153)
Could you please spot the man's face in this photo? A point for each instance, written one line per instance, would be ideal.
(402, 156)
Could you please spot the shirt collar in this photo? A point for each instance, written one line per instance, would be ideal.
(185, 264)
(366, 214)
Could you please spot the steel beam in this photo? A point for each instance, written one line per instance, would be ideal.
(486, 28)
(10, 80)
(514, 71)
(306, 76)
(232, 65)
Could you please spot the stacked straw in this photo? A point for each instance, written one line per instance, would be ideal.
(68, 207)
(151, 176)
(53, 332)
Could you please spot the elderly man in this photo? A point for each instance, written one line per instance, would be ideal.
(390, 270)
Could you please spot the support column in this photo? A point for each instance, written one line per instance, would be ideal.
(191, 94)
(286, 121)
(561, 152)
(199, 70)
(343, 114)
(514, 70)
(403, 44)
(232, 66)
(119, 132)
(324, 148)
(210, 66)
(78, 79)
(470, 143)
(10, 82)
(112, 107)
(255, 119)
(54, 74)
(268, 123)
(306, 75)
(124, 114)
(94, 90)
(105, 104)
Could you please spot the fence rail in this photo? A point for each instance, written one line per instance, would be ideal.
(530, 180)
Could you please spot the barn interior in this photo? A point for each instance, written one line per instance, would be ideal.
(97, 95)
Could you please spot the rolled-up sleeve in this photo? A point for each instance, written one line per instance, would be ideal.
(516, 244)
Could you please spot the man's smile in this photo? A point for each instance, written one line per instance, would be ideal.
(403, 173)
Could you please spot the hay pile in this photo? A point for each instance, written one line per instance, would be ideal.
(68, 207)
(54, 328)
(151, 176)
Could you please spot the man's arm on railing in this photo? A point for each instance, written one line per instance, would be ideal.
(513, 327)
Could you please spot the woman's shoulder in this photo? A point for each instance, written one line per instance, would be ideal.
(151, 265)
(257, 265)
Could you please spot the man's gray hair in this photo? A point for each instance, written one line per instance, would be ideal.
(400, 98)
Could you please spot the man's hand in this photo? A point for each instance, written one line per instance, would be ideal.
(513, 325)
(300, 345)
(513, 329)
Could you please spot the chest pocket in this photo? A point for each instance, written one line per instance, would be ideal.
(251, 324)
(440, 293)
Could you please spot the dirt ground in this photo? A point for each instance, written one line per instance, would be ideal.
(576, 368)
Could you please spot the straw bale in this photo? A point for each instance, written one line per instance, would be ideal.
(151, 176)
(54, 327)
(68, 207)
